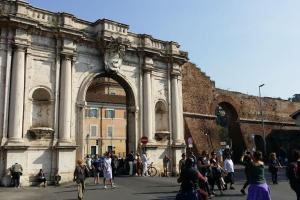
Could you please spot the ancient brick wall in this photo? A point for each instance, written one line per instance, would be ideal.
(201, 98)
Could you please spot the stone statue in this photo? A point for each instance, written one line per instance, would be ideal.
(113, 56)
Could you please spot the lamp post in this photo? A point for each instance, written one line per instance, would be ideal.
(87, 142)
(262, 118)
(112, 131)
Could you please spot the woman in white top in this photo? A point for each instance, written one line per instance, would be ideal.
(229, 170)
(107, 170)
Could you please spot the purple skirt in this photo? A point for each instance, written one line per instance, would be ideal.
(259, 192)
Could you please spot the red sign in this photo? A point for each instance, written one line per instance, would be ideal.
(144, 140)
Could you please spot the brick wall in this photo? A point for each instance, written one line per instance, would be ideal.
(201, 97)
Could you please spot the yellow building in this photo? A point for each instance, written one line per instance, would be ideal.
(105, 118)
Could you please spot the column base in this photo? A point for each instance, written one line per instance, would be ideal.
(15, 142)
(65, 142)
(179, 142)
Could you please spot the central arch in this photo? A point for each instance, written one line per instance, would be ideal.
(131, 111)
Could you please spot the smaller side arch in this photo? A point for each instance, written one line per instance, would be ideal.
(42, 107)
(161, 116)
(45, 88)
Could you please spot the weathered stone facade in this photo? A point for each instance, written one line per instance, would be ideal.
(201, 98)
(48, 60)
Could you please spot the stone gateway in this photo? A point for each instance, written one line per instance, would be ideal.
(47, 62)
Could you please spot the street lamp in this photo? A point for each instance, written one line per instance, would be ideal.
(262, 118)
(87, 142)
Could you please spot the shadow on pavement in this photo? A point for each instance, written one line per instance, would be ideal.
(165, 198)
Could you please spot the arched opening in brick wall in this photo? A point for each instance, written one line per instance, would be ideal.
(259, 143)
(229, 129)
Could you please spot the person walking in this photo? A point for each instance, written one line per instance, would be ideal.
(166, 162)
(258, 189)
(293, 173)
(89, 162)
(17, 172)
(191, 155)
(217, 179)
(96, 167)
(145, 164)
(189, 179)
(205, 170)
(274, 164)
(139, 165)
(181, 163)
(246, 161)
(107, 171)
(80, 174)
(113, 165)
(130, 159)
(229, 170)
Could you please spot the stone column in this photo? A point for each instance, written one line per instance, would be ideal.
(148, 110)
(176, 111)
(16, 107)
(65, 99)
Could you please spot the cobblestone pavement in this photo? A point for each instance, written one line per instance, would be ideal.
(133, 188)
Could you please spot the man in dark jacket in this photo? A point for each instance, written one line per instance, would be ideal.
(189, 179)
(293, 173)
(80, 173)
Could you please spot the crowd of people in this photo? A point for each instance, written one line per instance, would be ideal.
(199, 175)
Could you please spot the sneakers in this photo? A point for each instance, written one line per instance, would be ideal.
(113, 186)
(105, 187)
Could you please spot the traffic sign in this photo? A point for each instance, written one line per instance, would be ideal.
(144, 140)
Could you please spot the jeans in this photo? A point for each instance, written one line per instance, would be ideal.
(145, 167)
(16, 178)
(274, 177)
(81, 189)
(130, 168)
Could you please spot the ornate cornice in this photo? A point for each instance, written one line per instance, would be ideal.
(22, 15)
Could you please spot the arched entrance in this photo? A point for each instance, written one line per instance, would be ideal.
(229, 129)
(107, 120)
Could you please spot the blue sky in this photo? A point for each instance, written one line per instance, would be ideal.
(239, 44)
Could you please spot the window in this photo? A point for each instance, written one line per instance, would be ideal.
(93, 130)
(109, 149)
(110, 130)
(93, 150)
(91, 112)
(110, 113)
(112, 92)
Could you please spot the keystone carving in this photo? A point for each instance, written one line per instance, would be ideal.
(114, 54)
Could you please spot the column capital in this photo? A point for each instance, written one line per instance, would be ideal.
(19, 47)
(175, 70)
(148, 64)
(67, 55)
(133, 109)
